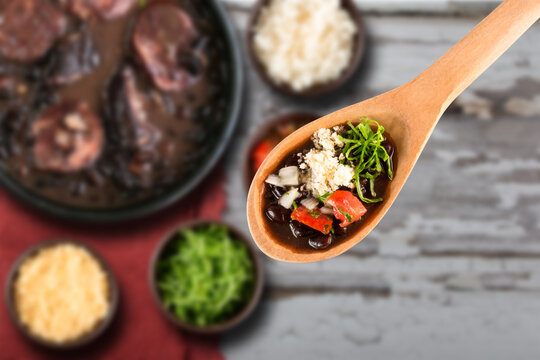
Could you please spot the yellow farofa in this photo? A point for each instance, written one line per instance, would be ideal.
(61, 293)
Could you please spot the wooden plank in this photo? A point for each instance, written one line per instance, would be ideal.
(337, 326)
(456, 262)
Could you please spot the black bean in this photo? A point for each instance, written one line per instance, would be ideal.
(78, 188)
(13, 147)
(106, 170)
(277, 191)
(23, 170)
(278, 214)
(7, 87)
(95, 177)
(40, 184)
(338, 230)
(321, 242)
(11, 120)
(3, 153)
(389, 148)
(192, 63)
(300, 230)
(291, 160)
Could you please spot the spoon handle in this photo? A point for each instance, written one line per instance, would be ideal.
(441, 83)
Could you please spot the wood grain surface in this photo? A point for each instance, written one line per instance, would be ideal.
(453, 270)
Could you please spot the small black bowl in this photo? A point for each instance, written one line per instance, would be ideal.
(85, 339)
(234, 320)
(220, 136)
(321, 89)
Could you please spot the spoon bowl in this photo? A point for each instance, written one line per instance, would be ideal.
(408, 113)
(394, 123)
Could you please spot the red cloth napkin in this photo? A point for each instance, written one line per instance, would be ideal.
(139, 331)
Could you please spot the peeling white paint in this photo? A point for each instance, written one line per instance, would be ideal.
(474, 105)
(423, 223)
(502, 166)
(511, 194)
(523, 107)
(470, 282)
(442, 136)
(449, 157)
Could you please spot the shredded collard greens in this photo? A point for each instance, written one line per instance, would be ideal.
(205, 275)
(364, 152)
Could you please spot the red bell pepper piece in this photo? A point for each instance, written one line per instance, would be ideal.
(260, 153)
(313, 218)
(347, 207)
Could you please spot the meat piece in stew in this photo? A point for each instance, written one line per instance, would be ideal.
(76, 57)
(28, 28)
(163, 37)
(102, 9)
(68, 137)
(126, 140)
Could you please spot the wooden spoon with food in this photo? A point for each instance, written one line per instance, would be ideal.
(409, 113)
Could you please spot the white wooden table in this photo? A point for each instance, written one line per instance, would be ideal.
(453, 271)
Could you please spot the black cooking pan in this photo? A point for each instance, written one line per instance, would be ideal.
(217, 138)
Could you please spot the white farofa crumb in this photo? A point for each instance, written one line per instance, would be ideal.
(304, 43)
(325, 173)
(323, 140)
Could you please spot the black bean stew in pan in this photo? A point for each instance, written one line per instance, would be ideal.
(104, 103)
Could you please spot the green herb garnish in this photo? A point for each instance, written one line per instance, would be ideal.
(295, 206)
(322, 198)
(205, 276)
(344, 213)
(313, 213)
(363, 151)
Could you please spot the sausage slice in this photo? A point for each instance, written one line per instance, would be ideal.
(163, 33)
(68, 137)
(28, 28)
(102, 9)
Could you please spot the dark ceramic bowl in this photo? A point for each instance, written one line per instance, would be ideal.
(321, 89)
(219, 137)
(234, 320)
(86, 339)
(298, 118)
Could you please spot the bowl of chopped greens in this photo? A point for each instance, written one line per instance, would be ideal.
(206, 276)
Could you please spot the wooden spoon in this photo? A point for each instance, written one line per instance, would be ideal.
(409, 113)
